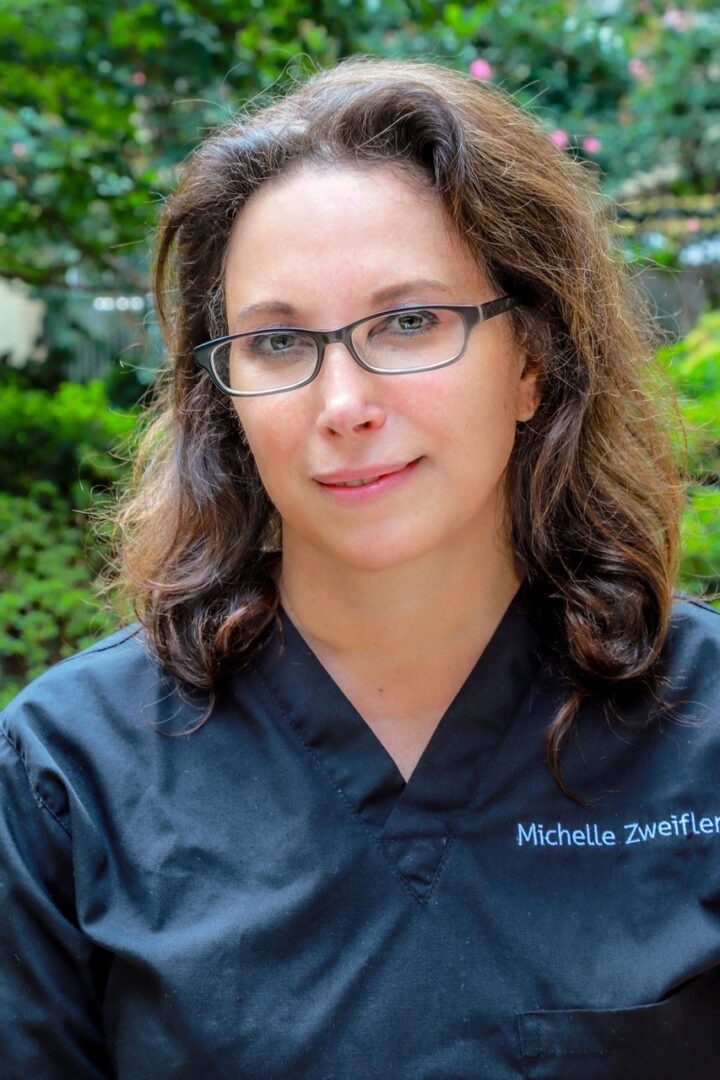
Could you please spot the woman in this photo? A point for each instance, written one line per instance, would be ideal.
(409, 767)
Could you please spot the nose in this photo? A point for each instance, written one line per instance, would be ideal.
(351, 399)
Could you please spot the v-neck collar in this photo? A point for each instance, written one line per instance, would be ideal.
(414, 821)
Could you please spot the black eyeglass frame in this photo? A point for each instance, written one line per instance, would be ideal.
(471, 314)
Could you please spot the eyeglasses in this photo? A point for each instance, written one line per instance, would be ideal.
(400, 341)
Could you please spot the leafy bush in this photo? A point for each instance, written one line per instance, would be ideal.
(694, 367)
(61, 437)
(48, 571)
(55, 463)
(700, 572)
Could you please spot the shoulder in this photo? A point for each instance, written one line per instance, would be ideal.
(697, 618)
(117, 667)
(660, 740)
(692, 651)
(688, 695)
(96, 710)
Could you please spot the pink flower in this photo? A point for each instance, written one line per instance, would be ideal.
(692, 224)
(676, 19)
(638, 69)
(480, 69)
(138, 78)
(19, 149)
(560, 138)
(591, 145)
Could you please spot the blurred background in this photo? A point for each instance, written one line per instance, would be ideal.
(99, 103)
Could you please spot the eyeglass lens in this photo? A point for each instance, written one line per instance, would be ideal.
(273, 359)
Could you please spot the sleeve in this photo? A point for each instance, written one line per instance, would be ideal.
(51, 974)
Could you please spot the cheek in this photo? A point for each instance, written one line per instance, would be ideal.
(481, 409)
(268, 424)
(273, 431)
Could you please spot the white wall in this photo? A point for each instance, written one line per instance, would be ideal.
(21, 323)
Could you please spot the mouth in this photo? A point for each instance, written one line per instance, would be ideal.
(363, 477)
(359, 483)
(368, 480)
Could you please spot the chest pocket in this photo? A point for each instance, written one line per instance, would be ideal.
(677, 1037)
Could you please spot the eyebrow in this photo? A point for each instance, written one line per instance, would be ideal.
(385, 297)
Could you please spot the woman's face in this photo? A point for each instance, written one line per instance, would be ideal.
(319, 249)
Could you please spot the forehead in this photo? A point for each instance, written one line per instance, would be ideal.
(328, 234)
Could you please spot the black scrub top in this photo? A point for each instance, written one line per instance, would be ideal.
(267, 898)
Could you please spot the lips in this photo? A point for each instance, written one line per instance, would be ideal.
(359, 483)
(356, 487)
(362, 475)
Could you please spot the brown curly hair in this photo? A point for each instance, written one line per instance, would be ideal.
(593, 493)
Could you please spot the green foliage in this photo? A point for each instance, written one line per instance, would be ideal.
(694, 367)
(48, 603)
(100, 102)
(60, 437)
(700, 572)
(55, 466)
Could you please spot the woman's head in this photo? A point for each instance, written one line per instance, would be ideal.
(426, 439)
(592, 505)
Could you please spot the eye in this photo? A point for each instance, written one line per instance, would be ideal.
(414, 320)
(273, 343)
(407, 323)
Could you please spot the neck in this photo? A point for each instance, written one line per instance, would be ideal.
(395, 615)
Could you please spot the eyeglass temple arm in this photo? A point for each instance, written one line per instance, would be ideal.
(496, 307)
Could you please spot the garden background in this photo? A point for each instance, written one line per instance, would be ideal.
(99, 103)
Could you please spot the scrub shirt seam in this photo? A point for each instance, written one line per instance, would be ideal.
(101, 647)
(339, 791)
(439, 870)
(526, 1050)
(37, 797)
(703, 605)
(482, 770)
(543, 1051)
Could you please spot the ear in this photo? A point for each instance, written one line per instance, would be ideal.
(529, 390)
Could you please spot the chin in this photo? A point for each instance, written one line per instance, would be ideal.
(378, 555)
